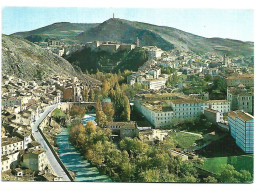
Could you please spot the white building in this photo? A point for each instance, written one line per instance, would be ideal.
(35, 159)
(153, 135)
(156, 72)
(178, 154)
(213, 116)
(8, 160)
(241, 126)
(11, 145)
(153, 52)
(222, 106)
(155, 84)
(162, 109)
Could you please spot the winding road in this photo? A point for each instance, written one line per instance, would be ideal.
(38, 137)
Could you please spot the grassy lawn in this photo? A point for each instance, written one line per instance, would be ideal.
(222, 147)
(184, 140)
(225, 151)
(243, 162)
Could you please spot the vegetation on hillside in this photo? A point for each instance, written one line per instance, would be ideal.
(126, 31)
(134, 59)
(122, 31)
(216, 87)
(59, 116)
(61, 30)
(94, 61)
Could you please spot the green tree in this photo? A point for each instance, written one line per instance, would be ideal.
(210, 179)
(126, 109)
(77, 135)
(151, 175)
(218, 91)
(91, 95)
(59, 116)
(245, 177)
(85, 95)
(173, 79)
(109, 111)
(77, 111)
(229, 174)
(91, 127)
(101, 118)
(105, 88)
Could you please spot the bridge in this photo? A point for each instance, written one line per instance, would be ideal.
(83, 104)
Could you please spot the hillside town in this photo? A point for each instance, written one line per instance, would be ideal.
(23, 102)
(136, 112)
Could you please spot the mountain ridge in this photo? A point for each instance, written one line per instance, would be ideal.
(57, 30)
(165, 37)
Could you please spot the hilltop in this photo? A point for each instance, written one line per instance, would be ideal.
(30, 62)
(163, 37)
(61, 30)
(124, 31)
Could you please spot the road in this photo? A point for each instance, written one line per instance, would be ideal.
(38, 137)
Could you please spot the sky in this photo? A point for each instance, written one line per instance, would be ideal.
(225, 23)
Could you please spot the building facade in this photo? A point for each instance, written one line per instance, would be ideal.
(164, 109)
(241, 126)
(35, 159)
(241, 99)
(213, 116)
(222, 106)
(11, 145)
(155, 84)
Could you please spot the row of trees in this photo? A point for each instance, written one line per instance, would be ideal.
(136, 161)
(119, 109)
(133, 160)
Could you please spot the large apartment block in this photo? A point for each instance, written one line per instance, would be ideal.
(162, 109)
(241, 126)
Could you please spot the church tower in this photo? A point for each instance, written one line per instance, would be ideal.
(137, 42)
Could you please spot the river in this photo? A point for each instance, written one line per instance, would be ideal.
(74, 161)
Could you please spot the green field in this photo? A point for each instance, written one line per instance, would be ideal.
(225, 151)
(184, 140)
(243, 162)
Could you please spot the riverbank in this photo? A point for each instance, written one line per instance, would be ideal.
(74, 161)
(50, 132)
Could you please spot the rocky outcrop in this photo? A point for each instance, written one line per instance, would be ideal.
(28, 61)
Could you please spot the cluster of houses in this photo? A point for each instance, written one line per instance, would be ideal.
(187, 63)
(23, 102)
(59, 47)
(162, 108)
(149, 74)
